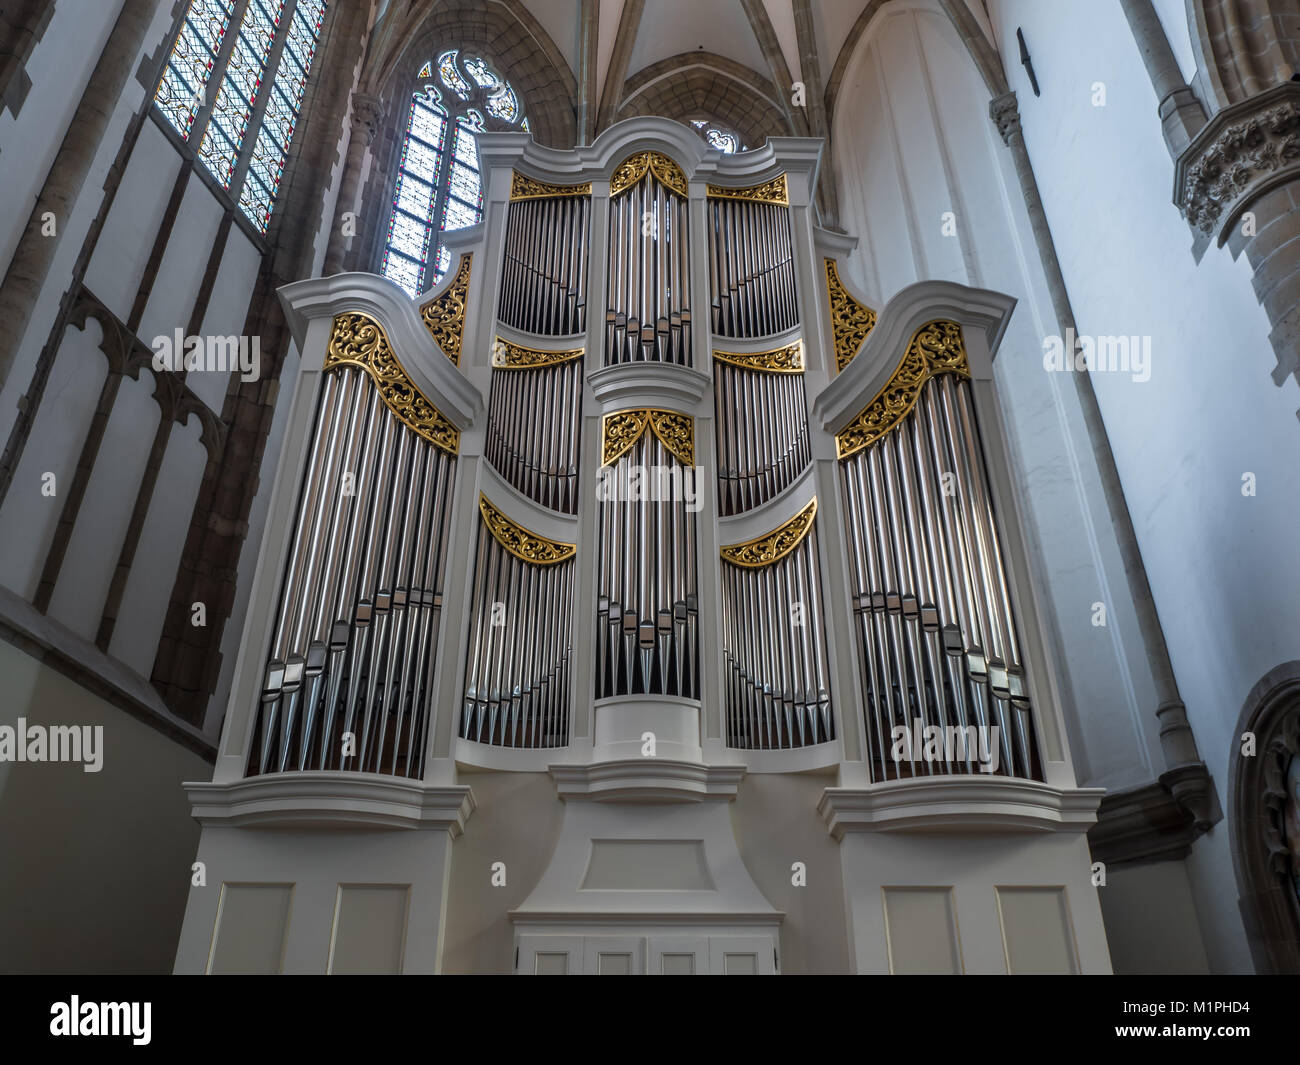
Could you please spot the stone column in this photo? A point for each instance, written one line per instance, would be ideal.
(1190, 781)
(1238, 183)
(22, 23)
(1181, 113)
(367, 117)
(35, 251)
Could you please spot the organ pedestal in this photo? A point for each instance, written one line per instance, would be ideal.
(727, 522)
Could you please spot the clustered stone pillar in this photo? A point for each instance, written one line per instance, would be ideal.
(367, 117)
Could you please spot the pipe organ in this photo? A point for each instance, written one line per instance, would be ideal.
(355, 654)
(654, 562)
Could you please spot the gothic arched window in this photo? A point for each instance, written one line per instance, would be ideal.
(438, 185)
(241, 131)
(718, 136)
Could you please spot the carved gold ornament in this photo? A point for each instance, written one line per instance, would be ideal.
(634, 167)
(358, 340)
(619, 431)
(444, 315)
(508, 356)
(936, 348)
(523, 187)
(779, 360)
(773, 191)
(524, 545)
(774, 546)
(851, 321)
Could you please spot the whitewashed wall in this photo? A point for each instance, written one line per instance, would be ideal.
(1223, 567)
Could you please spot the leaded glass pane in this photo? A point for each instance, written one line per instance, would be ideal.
(503, 105)
(406, 273)
(415, 197)
(466, 147)
(420, 158)
(444, 261)
(426, 71)
(465, 185)
(283, 103)
(240, 85)
(256, 199)
(480, 72)
(458, 215)
(185, 77)
(451, 76)
(427, 124)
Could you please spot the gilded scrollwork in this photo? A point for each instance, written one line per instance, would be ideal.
(634, 167)
(619, 431)
(508, 356)
(774, 546)
(936, 348)
(444, 315)
(774, 191)
(358, 340)
(851, 321)
(522, 187)
(524, 545)
(788, 359)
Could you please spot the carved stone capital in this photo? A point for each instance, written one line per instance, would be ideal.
(1157, 821)
(367, 115)
(1005, 112)
(1242, 152)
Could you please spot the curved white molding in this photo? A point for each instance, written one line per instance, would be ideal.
(523, 511)
(433, 373)
(506, 759)
(829, 244)
(774, 513)
(650, 384)
(642, 780)
(539, 343)
(795, 759)
(793, 156)
(974, 309)
(959, 803)
(331, 800)
(718, 921)
(749, 345)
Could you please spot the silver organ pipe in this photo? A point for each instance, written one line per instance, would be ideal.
(776, 676)
(517, 673)
(647, 638)
(752, 290)
(761, 419)
(534, 414)
(544, 267)
(351, 662)
(936, 630)
(647, 312)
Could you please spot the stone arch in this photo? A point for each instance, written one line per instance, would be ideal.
(693, 84)
(1269, 907)
(1244, 46)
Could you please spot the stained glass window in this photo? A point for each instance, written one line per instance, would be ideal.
(438, 184)
(718, 136)
(260, 75)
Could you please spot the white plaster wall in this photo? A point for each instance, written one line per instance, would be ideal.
(59, 67)
(28, 517)
(181, 269)
(913, 141)
(1223, 568)
(100, 529)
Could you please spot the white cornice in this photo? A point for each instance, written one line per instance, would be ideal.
(858, 384)
(959, 804)
(630, 385)
(331, 800)
(433, 373)
(771, 515)
(523, 511)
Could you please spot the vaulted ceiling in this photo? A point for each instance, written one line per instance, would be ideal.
(581, 65)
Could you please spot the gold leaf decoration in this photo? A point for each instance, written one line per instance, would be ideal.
(773, 191)
(936, 348)
(779, 360)
(774, 546)
(524, 545)
(851, 321)
(444, 315)
(634, 167)
(358, 340)
(619, 431)
(508, 356)
(523, 187)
